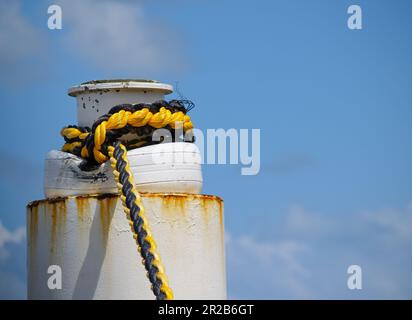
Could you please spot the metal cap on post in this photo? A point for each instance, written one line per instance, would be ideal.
(96, 98)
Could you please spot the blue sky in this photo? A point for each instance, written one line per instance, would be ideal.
(333, 106)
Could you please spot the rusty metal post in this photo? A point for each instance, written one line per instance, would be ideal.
(90, 239)
(81, 227)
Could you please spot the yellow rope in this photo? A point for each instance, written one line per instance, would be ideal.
(119, 120)
(149, 238)
(77, 139)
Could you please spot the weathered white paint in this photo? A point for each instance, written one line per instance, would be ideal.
(96, 99)
(90, 239)
(168, 167)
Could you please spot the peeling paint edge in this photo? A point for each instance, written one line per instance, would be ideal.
(36, 203)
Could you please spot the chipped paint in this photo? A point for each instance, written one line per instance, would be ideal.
(112, 195)
(119, 80)
(95, 98)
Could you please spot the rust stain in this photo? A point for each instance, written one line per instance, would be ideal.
(105, 196)
(33, 219)
(208, 204)
(57, 200)
(34, 203)
(107, 206)
(64, 199)
(114, 195)
(204, 206)
(33, 222)
(83, 206)
(58, 214)
(177, 203)
(53, 227)
(221, 223)
(173, 203)
(221, 216)
(55, 211)
(181, 196)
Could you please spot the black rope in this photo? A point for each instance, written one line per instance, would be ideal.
(143, 134)
(137, 221)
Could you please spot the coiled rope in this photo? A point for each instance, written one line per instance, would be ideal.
(101, 143)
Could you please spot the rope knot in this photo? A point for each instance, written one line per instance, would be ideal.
(101, 143)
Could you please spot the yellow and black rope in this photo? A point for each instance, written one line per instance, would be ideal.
(101, 142)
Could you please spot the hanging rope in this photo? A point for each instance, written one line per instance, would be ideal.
(101, 143)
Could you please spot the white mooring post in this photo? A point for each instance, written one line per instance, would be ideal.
(81, 230)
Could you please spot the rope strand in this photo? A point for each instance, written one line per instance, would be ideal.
(101, 143)
(134, 210)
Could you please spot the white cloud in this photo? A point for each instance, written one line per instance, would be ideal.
(18, 37)
(265, 269)
(265, 252)
(306, 255)
(300, 220)
(12, 263)
(21, 44)
(392, 223)
(118, 36)
(7, 236)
